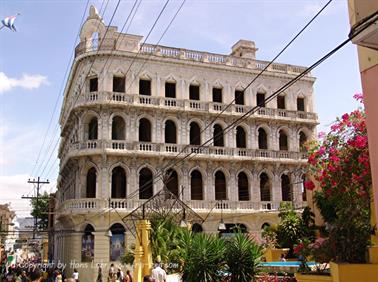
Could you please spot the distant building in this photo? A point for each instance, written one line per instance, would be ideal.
(7, 235)
(120, 124)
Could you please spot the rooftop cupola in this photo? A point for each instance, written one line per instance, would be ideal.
(244, 49)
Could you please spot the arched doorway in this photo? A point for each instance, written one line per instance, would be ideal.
(91, 183)
(144, 130)
(145, 183)
(265, 187)
(117, 241)
(87, 244)
(243, 189)
(196, 188)
(220, 186)
(118, 183)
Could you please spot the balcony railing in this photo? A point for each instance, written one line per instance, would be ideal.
(109, 44)
(128, 205)
(113, 146)
(187, 105)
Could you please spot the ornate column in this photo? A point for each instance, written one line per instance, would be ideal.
(233, 184)
(276, 186)
(210, 182)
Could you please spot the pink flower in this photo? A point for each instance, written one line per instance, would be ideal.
(309, 185)
(321, 134)
(335, 159)
(359, 97)
(321, 150)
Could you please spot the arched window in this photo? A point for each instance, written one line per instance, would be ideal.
(91, 183)
(144, 130)
(239, 97)
(195, 134)
(197, 228)
(94, 43)
(196, 186)
(218, 137)
(243, 187)
(300, 104)
(283, 141)
(87, 244)
(264, 187)
(118, 183)
(117, 241)
(262, 139)
(93, 129)
(240, 138)
(171, 182)
(220, 186)
(118, 128)
(170, 132)
(302, 141)
(286, 188)
(145, 184)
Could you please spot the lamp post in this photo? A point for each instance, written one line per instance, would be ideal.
(221, 226)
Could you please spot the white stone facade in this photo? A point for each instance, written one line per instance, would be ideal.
(110, 133)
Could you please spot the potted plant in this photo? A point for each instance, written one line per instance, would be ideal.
(339, 165)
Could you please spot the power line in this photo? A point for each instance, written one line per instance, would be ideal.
(253, 80)
(61, 88)
(276, 93)
(102, 40)
(291, 82)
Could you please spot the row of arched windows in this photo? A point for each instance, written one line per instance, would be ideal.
(119, 85)
(171, 181)
(170, 134)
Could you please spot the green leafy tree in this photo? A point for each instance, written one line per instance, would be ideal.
(40, 209)
(289, 230)
(243, 256)
(165, 236)
(308, 224)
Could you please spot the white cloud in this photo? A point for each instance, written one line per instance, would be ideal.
(27, 81)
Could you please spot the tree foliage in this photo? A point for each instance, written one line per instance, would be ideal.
(40, 209)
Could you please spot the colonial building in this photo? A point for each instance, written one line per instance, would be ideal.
(131, 110)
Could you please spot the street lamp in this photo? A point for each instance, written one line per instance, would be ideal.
(221, 226)
(109, 232)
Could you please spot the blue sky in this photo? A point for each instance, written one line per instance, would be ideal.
(33, 63)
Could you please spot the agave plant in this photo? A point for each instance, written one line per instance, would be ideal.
(203, 255)
(243, 256)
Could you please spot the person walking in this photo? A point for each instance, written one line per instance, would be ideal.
(158, 273)
(99, 274)
(75, 275)
(129, 278)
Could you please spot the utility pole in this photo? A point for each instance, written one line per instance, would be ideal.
(38, 182)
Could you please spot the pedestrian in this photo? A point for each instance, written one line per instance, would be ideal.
(99, 274)
(129, 278)
(158, 273)
(75, 275)
(120, 275)
(283, 259)
(112, 272)
(147, 278)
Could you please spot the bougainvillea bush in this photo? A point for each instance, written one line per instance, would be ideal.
(339, 163)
